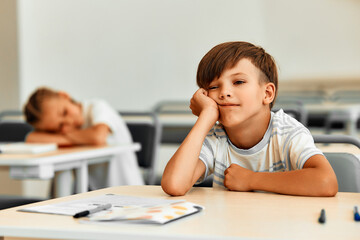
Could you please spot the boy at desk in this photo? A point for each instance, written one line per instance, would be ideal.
(236, 136)
(57, 118)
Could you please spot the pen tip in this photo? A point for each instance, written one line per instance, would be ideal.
(357, 217)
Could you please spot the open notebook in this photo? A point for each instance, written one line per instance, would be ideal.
(27, 148)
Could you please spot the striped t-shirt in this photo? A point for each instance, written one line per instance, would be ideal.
(286, 146)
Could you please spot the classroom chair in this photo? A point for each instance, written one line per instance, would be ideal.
(327, 139)
(345, 96)
(346, 165)
(11, 115)
(306, 97)
(349, 114)
(173, 106)
(14, 131)
(174, 133)
(146, 130)
(347, 169)
(294, 108)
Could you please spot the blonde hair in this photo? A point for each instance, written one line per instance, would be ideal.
(33, 107)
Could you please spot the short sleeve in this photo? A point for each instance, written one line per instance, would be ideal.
(102, 112)
(301, 148)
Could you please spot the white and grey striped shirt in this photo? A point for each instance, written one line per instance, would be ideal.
(286, 146)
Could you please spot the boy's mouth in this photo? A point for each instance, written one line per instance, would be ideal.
(228, 105)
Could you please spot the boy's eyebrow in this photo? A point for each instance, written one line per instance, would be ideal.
(232, 75)
(238, 73)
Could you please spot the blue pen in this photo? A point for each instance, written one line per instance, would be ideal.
(356, 214)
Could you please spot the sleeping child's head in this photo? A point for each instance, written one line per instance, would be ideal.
(238, 63)
(53, 111)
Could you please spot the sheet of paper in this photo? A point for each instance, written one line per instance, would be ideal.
(117, 202)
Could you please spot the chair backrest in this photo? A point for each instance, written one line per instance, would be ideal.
(345, 165)
(330, 138)
(306, 97)
(173, 106)
(294, 108)
(347, 170)
(11, 115)
(346, 96)
(146, 130)
(14, 131)
(174, 133)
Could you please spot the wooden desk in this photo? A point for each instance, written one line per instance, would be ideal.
(44, 166)
(340, 148)
(227, 215)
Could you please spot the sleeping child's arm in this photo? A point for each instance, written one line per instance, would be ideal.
(95, 135)
(45, 137)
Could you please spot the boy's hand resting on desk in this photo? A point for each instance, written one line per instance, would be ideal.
(238, 178)
(201, 103)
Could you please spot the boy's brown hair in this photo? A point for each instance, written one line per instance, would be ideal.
(227, 55)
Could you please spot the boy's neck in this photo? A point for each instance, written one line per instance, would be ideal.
(248, 134)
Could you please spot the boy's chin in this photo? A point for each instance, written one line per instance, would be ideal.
(228, 122)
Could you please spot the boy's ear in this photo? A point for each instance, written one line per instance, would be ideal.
(64, 94)
(269, 93)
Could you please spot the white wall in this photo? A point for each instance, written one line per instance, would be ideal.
(133, 53)
(317, 39)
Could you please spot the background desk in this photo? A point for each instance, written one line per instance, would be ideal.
(226, 215)
(340, 148)
(43, 166)
(347, 113)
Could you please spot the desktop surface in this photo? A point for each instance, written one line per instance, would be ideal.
(227, 214)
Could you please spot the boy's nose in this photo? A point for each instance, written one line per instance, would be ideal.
(225, 94)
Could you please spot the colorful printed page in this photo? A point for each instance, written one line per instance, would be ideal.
(159, 214)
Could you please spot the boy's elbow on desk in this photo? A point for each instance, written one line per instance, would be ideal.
(172, 188)
(329, 187)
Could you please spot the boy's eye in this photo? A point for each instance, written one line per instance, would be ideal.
(65, 112)
(212, 87)
(238, 82)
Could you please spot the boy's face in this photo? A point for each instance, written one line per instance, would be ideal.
(240, 94)
(60, 115)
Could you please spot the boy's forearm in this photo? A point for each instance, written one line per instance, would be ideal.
(305, 182)
(179, 174)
